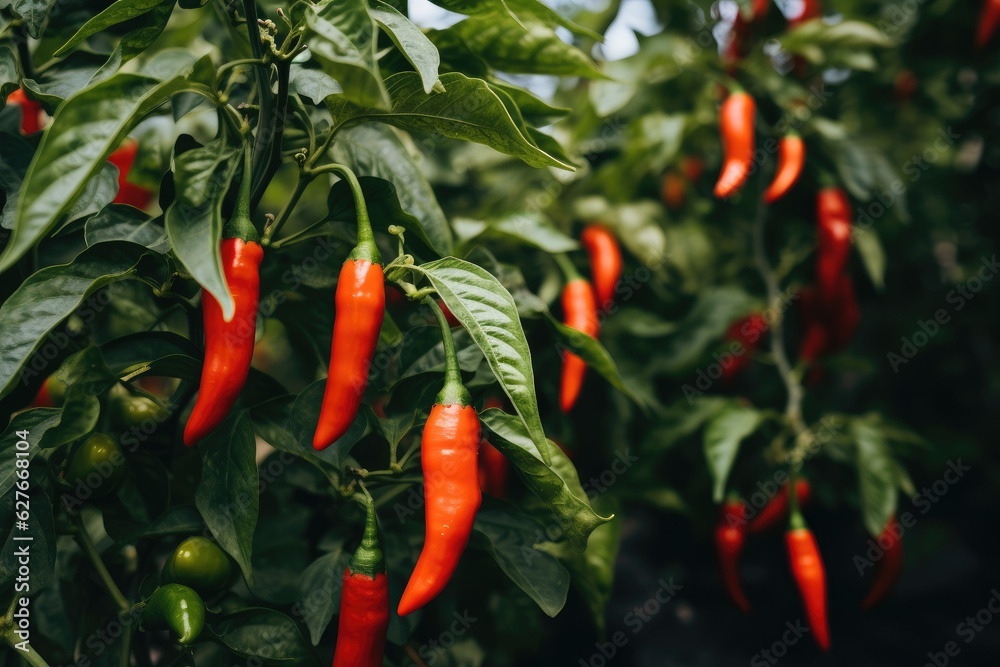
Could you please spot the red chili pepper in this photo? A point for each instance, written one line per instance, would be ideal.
(673, 190)
(605, 262)
(736, 123)
(730, 533)
(360, 307)
(989, 19)
(811, 9)
(888, 567)
(776, 509)
(810, 577)
(743, 26)
(494, 467)
(580, 313)
(229, 343)
(364, 605)
(31, 111)
(448, 315)
(748, 332)
(833, 239)
(791, 158)
(128, 193)
(449, 449)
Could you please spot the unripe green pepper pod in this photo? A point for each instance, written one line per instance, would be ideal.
(178, 609)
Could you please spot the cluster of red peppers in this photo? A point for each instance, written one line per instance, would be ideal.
(805, 560)
(582, 302)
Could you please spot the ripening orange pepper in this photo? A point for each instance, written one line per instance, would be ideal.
(736, 125)
(580, 313)
(605, 262)
(791, 159)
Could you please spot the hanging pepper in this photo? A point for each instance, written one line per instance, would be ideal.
(730, 533)
(776, 509)
(360, 307)
(833, 239)
(888, 567)
(829, 324)
(989, 19)
(449, 450)
(808, 571)
(176, 608)
(605, 263)
(742, 27)
(128, 193)
(736, 123)
(748, 332)
(494, 467)
(580, 313)
(791, 158)
(52, 393)
(31, 111)
(229, 342)
(364, 603)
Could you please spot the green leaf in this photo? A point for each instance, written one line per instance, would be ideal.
(8, 73)
(118, 12)
(523, 46)
(723, 435)
(542, 141)
(876, 476)
(263, 634)
(313, 83)
(516, 8)
(375, 150)
(342, 37)
(319, 592)
(591, 351)
(228, 493)
(511, 543)
(36, 422)
(194, 221)
(872, 255)
(86, 129)
(409, 39)
(86, 377)
(469, 111)
(34, 13)
(62, 289)
(42, 544)
(121, 222)
(487, 311)
(556, 485)
(530, 228)
(704, 324)
(534, 109)
(136, 41)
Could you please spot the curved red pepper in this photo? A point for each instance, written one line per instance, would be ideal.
(580, 313)
(989, 19)
(810, 577)
(31, 111)
(449, 450)
(128, 193)
(730, 534)
(228, 345)
(833, 239)
(360, 307)
(776, 509)
(364, 605)
(605, 262)
(748, 332)
(888, 567)
(736, 124)
(791, 159)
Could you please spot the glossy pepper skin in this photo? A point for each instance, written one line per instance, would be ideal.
(775, 512)
(989, 19)
(364, 604)
(198, 563)
(791, 159)
(888, 567)
(228, 344)
(448, 454)
(833, 238)
(580, 313)
(360, 307)
(97, 463)
(31, 111)
(810, 577)
(730, 534)
(736, 124)
(51, 394)
(128, 193)
(605, 262)
(178, 609)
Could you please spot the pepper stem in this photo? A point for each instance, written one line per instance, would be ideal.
(453, 392)
(366, 248)
(368, 558)
(566, 266)
(795, 518)
(240, 225)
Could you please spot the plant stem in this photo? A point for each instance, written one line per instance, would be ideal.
(366, 248)
(454, 391)
(87, 544)
(30, 656)
(265, 131)
(301, 184)
(566, 266)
